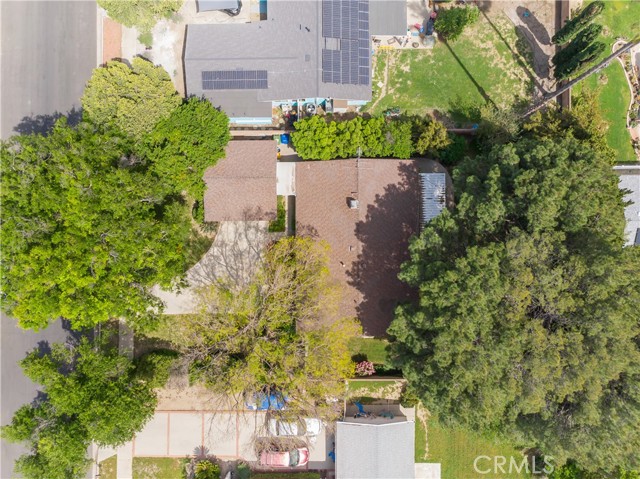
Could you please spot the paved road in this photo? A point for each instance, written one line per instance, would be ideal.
(15, 388)
(48, 52)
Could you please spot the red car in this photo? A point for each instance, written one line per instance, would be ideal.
(297, 458)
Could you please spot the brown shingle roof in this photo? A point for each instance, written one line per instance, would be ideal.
(242, 186)
(368, 244)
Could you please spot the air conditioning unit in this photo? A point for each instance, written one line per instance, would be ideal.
(353, 203)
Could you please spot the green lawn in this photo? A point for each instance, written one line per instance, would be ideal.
(481, 66)
(157, 468)
(108, 468)
(375, 350)
(456, 451)
(620, 19)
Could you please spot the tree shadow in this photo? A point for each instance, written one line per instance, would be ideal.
(533, 24)
(480, 89)
(384, 235)
(516, 56)
(540, 60)
(43, 124)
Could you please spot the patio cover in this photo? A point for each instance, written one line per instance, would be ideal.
(375, 451)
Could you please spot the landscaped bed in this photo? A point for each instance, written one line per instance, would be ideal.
(108, 468)
(620, 18)
(481, 66)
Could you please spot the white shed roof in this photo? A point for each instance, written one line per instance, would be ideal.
(375, 451)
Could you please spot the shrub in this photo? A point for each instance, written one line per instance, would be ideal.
(578, 23)
(365, 368)
(206, 470)
(142, 14)
(409, 398)
(454, 152)
(579, 61)
(280, 223)
(154, 367)
(451, 22)
(432, 137)
(585, 38)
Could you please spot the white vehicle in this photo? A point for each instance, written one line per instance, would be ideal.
(304, 427)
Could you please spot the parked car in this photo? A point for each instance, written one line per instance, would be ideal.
(305, 427)
(266, 402)
(296, 458)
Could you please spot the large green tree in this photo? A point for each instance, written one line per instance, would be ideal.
(186, 143)
(91, 394)
(528, 319)
(278, 330)
(132, 99)
(87, 229)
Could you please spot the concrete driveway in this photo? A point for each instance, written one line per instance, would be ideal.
(233, 256)
(228, 435)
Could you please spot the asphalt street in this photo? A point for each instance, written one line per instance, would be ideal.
(15, 388)
(48, 52)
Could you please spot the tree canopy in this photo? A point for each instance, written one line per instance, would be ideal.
(185, 144)
(92, 394)
(528, 321)
(143, 14)
(133, 99)
(87, 229)
(278, 331)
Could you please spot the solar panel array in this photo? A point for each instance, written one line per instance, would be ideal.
(348, 21)
(234, 80)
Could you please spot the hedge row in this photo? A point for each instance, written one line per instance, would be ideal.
(579, 61)
(316, 138)
(578, 23)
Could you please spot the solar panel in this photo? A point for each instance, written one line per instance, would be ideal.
(235, 80)
(347, 21)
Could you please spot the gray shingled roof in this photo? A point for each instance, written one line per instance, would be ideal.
(388, 17)
(375, 451)
(288, 45)
(630, 180)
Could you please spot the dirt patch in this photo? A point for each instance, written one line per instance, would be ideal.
(423, 415)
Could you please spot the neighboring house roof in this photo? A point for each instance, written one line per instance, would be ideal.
(368, 244)
(242, 186)
(291, 49)
(372, 451)
(630, 180)
(388, 17)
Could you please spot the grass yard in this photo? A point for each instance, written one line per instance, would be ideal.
(109, 468)
(481, 66)
(375, 350)
(456, 450)
(157, 468)
(620, 18)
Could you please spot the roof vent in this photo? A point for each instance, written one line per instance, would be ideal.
(353, 203)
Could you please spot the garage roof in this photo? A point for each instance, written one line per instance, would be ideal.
(242, 186)
(372, 451)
